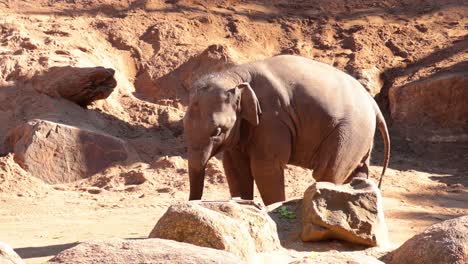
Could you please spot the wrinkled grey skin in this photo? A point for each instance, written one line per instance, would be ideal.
(281, 110)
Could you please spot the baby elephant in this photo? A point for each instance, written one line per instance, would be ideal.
(281, 110)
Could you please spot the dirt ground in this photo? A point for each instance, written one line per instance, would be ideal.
(148, 42)
(417, 193)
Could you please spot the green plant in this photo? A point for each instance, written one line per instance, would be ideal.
(285, 213)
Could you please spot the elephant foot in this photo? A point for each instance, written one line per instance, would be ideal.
(237, 200)
(248, 202)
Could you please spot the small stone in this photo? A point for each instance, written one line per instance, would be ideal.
(60, 187)
(396, 49)
(94, 190)
(29, 45)
(134, 177)
(131, 188)
(421, 27)
(62, 52)
(164, 190)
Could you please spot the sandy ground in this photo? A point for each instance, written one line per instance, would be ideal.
(417, 192)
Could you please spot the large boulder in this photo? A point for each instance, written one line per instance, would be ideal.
(433, 109)
(351, 212)
(8, 255)
(154, 251)
(79, 85)
(240, 229)
(60, 153)
(442, 243)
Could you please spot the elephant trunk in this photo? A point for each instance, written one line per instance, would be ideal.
(197, 178)
(197, 163)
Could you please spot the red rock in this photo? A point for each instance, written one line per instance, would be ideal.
(351, 212)
(79, 85)
(176, 83)
(242, 230)
(142, 251)
(434, 109)
(442, 243)
(60, 153)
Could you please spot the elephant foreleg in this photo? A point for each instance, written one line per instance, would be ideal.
(237, 169)
(269, 176)
(268, 158)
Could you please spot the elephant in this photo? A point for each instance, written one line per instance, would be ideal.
(285, 109)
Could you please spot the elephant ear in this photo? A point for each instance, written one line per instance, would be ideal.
(249, 105)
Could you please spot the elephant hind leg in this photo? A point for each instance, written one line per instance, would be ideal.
(340, 154)
(362, 169)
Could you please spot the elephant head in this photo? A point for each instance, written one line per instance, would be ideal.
(212, 123)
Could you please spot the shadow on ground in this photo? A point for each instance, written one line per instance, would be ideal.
(44, 251)
(446, 161)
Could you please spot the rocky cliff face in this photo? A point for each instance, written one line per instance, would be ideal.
(398, 50)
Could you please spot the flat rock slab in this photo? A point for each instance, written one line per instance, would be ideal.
(351, 212)
(442, 243)
(142, 251)
(240, 229)
(58, 153)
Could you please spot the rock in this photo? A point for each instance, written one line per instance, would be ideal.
(142, 251)
(416, 115)
(370, 79)
(213, 59)
(133, 177)
(58, 153)
(351, 212)
(164, 190)
(94, 190)
(442, 243)
(240, 229)
(8, 255)
(336, 257)
(79, 85)
(60, 187)
(396, 49)
(28, 44)
(174, 162)
(177, 83)
(15, 180)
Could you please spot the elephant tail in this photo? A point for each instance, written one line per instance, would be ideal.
(382, 126)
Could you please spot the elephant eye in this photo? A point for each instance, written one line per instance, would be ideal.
(217, 132)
